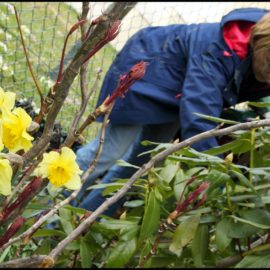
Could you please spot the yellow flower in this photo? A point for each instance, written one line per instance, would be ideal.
(1, 137)
(60, 168)
(7, 101)
(15, 136)
(5, 177)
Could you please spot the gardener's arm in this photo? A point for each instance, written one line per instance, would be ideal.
(206, 78)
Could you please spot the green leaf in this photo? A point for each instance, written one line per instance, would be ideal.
(74, 245)
(66, 225)
(45, 247)
(260, 171)
(208, 219)
(216, 119)
(48, 232)
(134, 203)
(179, 183)
(261, 216)
(35, 206)
(129, 233)
(240, 198)
(85, 254)
(189, 173)
(4, 254)
(199, 246)
(123, 163)
(240, 230)
(168, 172)
(65, 219)
(144, 251)
(76, 210)
(159, 147)
(230, 146)
(117, 224)
(245, 182)
(113, 187)
(218, 179)
(151, 217)
(147, 142)
(184, 233)
(121, 254)
(221, 235)
(254, 224)
(255, 261)
(258, 104)
(196, 161)
(118, 185)
(204, 156)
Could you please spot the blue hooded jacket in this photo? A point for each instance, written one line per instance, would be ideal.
(187, 60)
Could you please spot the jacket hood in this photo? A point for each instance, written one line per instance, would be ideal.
(244, 14)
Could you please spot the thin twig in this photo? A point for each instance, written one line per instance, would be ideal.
(27, 58)
(83, 84)
(83, 70)
(71, 136)
(162, 228)
(92, 165)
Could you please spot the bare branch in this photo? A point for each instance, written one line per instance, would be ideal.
(36, 261)
(27, 58)
(84, 86)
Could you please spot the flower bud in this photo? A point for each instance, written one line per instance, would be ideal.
(126, 80)
(229, 159)
(172, 216)
(16, 225)
(28, 191)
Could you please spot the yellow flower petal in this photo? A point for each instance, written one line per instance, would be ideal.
(7, 102)
(68, 157)
(1, 137)
(67, 153)
(23, 116)
(5, 177)
(74, 183)
(43, 167)
(60, 168)
(15, 136)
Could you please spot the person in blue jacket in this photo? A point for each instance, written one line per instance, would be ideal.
(196, 68)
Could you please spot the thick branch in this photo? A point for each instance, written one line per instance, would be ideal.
(21, 207)
(116, 11)
(36, 261)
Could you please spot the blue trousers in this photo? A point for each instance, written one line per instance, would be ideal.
(121, 142)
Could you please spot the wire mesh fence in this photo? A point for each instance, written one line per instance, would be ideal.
(45, 25)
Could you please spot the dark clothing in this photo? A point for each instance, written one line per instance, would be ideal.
(193, 60)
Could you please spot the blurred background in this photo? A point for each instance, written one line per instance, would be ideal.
(45, 25)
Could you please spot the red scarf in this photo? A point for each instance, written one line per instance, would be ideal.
(237, 35)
